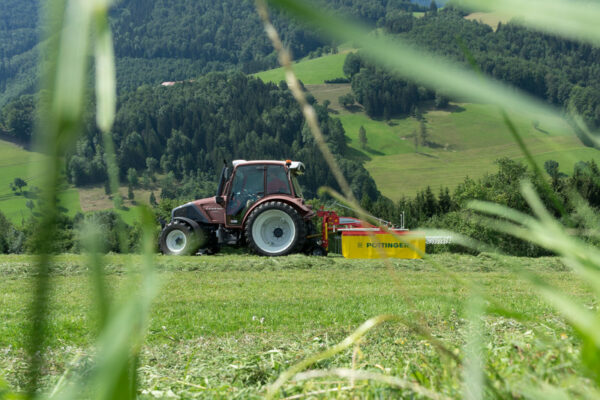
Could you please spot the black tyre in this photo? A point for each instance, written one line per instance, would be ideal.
(275, 229)
(318, 251)
(178, 239)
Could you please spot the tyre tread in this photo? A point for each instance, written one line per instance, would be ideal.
(190, 234)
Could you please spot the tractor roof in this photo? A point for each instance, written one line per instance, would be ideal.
(297, 166)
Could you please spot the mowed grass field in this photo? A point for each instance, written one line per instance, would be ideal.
(226, 326)
(16, 162)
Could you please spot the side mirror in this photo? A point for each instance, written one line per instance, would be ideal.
(220, 200)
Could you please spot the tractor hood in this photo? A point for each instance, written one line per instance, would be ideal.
(213, 211)
(189, 211)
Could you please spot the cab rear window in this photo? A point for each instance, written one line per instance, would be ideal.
(277, 180)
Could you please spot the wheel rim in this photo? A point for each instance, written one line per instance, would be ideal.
(176, 241)
(273, 231)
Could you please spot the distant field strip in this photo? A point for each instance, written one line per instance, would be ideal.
(491, 19)
(15, 162)
(405, 174)
(312, 71)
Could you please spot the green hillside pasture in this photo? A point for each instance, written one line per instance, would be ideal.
(405, 174)
(15, 162)
(383, 138)
(469, 126)
(465, 140)
(226, 326)
(310, 72)
(567, 158)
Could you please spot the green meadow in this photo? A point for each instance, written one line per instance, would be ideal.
(464, 140)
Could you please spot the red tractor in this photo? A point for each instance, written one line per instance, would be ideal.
(258, 203)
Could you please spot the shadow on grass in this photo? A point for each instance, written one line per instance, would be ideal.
(357, 155)
(434, 145)
(373, 151)
(453, 108)
(429, 105)
(426, 154)
(354, 108)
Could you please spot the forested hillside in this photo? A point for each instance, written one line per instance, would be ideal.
(172, 40)
(19, 35)
(190, 128)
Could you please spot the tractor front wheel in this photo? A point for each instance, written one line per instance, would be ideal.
(178, 239)
(275, 229)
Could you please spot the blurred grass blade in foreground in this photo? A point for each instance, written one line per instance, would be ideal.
(67, 27)
(70, 26)
(114, 373)
(575, 19)
(473, 371)
(583, 258)
(288, 374)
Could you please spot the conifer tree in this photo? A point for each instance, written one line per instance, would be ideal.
(362, 137)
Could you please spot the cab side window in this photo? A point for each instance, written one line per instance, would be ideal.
(248, 186)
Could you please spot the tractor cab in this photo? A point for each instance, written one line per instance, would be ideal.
(252, 181)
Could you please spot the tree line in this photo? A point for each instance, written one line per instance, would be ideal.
(579, 195)
(436, 209)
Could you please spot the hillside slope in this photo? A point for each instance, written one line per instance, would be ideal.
(465, 139)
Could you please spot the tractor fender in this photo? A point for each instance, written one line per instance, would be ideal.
(304, 211)
(193, 224)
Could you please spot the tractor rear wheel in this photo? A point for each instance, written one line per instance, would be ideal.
(178, 239)
(275, 229)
